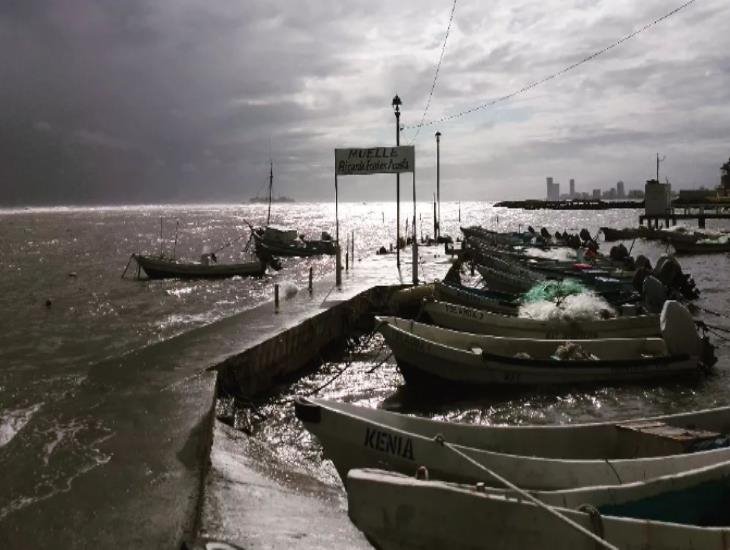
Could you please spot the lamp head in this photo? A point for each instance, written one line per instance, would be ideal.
(396, 103)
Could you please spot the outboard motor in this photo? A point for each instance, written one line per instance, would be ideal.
(531, 229)
(642, 261)
(654, 294)
(679, 331)
(558, 236)
(680, 334)
(545, 234)
(585, 235)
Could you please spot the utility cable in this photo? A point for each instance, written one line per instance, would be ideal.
(436, 74)
(569, 68)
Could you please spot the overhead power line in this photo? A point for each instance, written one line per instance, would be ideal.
(552, 76)
(436, 74)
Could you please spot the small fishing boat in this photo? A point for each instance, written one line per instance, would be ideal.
(532, 457)
(430, 354)
(165, 268)
(467, 319)
(504, 281)
(704, 246)
(499, 302)
(280, 242)
(271, 241)
(398, 512)
(611, 234)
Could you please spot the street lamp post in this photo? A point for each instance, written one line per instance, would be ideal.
(438, 183)
(396, 109)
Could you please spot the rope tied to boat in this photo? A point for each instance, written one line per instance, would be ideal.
(596, 519)
(600, 542)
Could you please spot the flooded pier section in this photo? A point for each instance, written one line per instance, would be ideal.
(168, 473)
(251, 498)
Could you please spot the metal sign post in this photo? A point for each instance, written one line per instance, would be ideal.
(377, 160)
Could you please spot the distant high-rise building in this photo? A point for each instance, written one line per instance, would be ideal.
(572, 188)
(596, 193)
(553, 190)
(620, 191)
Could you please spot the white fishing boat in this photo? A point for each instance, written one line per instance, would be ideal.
(468, 319)
(430, 354)
(405, 513)
(532, 457)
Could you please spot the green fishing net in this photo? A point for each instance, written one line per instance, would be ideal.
(553, 290)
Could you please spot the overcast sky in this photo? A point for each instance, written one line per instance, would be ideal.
(137, 101)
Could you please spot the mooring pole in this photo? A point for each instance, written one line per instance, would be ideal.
(338, 253)
(435, 230)
(415, 240)
(396, 108)
(174, 248)
(276, 298)
(311, 276)
(160, 236)
(438, 182)
(352, 242)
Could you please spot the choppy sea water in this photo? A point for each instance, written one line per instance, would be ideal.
(74, 257)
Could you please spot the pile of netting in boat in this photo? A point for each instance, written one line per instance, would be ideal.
(567, 300)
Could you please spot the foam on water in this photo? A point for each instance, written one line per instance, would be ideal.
(13, 421)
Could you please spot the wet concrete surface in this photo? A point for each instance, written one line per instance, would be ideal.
(148, 425)
(253, 500)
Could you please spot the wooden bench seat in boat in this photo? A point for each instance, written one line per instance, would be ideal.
(655, 438)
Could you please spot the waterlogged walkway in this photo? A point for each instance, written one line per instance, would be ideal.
(148, 422)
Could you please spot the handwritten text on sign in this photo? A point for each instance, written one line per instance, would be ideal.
(375, 160)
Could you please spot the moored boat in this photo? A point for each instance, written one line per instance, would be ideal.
(402, 512)
(490, 300)
(279, 242)
(467, 319)
(429, 354)
(705, 246)
(532, 457)
(164, 268)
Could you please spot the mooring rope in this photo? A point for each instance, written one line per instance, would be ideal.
(540, 504)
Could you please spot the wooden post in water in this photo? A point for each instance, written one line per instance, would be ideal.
(160, 236)
(276, 298)
(311, 276)
(352, 244)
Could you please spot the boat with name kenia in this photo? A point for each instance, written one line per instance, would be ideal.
(532, 457)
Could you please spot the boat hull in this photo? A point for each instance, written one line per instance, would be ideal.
(700, 247)
(156, 268)
(397, 512)
(352, 441)
(467, 319)
(303, 249)
(423, 359)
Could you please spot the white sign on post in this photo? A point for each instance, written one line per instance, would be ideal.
(375, 160)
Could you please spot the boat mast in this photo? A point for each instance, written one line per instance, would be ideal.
(271, 185)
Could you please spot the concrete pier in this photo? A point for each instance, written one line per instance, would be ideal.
(168, 475)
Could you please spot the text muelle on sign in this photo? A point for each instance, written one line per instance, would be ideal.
(375, 160)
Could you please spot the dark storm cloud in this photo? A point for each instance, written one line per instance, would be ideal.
(139, 101)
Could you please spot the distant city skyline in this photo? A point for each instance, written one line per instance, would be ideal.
(134, 102)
